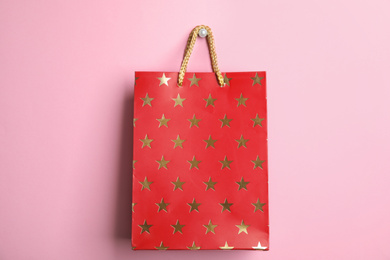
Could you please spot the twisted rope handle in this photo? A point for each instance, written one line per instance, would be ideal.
(190, 46)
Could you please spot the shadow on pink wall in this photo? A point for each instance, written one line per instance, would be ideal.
(122, 225)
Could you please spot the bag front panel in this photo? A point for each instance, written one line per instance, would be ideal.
(200, 169)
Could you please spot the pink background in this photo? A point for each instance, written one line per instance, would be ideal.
(66, 84)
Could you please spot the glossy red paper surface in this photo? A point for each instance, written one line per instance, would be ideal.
(146, 164)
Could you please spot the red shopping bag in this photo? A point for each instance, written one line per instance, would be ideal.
(200, 171)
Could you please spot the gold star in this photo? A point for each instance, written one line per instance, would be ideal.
(226, 80)
(193, 247)
(258, 163)
(163, 163)
(226, 246)
(162, 205)
(242, 184)
(210, 142)
(134, 119)
(178, 184)
(256, 80)
(241, 100)
(177, 227)
(164, 80)
(226, 163)
(161, 247)
(163, 121)
(194, 205)
(146, 141)
(132, 206)
(225, 121)
(147, 100)
(210, 184)
(135, 81)
(257, 121)
(178, 142)
(258, 205)
(210, 227)
(226, 205)
(210, 101)
(145, 184)
(194, 80)
(242, 142)
(242, 227)
(194, 163)
(134, 161)
(194, 121)
(178, 100)
(145, 227)
(259, 247)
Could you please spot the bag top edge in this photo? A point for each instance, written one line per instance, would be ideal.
(230, 72)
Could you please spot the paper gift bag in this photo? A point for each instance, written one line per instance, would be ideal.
(200, 174)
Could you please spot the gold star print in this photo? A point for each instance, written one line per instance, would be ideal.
(177, 227)
(241, 100)
(210, 142)
(226, 246)
(259, 247)
(226, 205)
(256, 80)
(194, 80)
(178, 184)
(257, 121)
(164, 80)
(225, 121)
(226, 80)
(161, 247)
(145, 227)
(242, 184)
(134, 119)
(194, 163)
(210, 184)
(258, 163)
(210, 101)
(210, 227)
(162, 163)
(145, 184)
(194, 121)
(226, 163)
(178, 142)
(258, 205)
(134, 161)
(146, 141)
(178, 100)
(193, 247)
(194, 205)
(147, 100)
(132, 206)
(242, 142)
(163, 121)
(242, 227)
(162, 205)
(135, 81)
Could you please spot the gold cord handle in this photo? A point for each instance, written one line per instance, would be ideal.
(188, 51)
